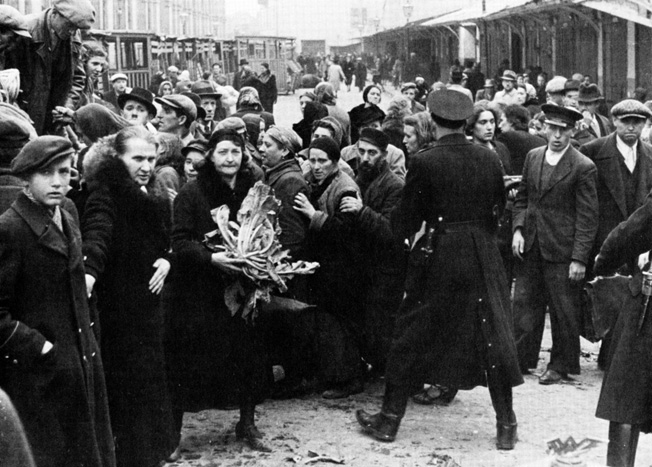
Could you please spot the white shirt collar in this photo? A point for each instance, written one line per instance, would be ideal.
(553, 157)
(623, 148)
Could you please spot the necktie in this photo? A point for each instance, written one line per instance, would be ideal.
(596, 127)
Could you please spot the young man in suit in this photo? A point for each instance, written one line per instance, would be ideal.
(555, 221)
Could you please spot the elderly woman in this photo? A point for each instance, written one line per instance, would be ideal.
(50, 362)
(213, 358)
(398, 109)
(249, 103)
(253, 158)
(126, 244)
(366, 111)
(332, 241)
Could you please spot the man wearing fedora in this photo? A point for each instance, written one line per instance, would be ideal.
(453, 326)
(51, 68)
(589, 100)
(488, 92)
(211, 102)
(508, 95)
(138, 107)
(624, 165)
(555, 220)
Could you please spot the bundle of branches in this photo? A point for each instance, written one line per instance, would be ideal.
(253, 241)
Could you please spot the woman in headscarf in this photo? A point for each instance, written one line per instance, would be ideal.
(398, 109)
(365, 111)
(326, 95)
(125, 232)
(165, 89)
(313, 111)
(249, 103)
(267, 88)
(213, 357)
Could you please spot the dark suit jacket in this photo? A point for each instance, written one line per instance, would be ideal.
(606, 127)
(519, 143)
(611, 192)
(563, 215)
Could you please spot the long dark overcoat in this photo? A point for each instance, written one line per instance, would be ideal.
(454, 322)
(626, 395)
(207, 349)
(60, 397)
(124, 233)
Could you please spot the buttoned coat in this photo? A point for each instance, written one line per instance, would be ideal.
(43, 298)
(562, 215)
(611, 191)
(458, 297)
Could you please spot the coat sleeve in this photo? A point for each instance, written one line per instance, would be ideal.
(78, 76)
(521, 200)
(631, 238)
(376, 225)
(407, 218)
(97, 231)
(17, 340)
(187, 247)
(586, 217)
(294, 225)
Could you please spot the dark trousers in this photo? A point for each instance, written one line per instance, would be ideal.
(541, 284)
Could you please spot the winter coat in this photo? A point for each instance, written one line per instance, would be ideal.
(10, 186)
(206, 348)
(457, 299)
(125, 232)
(287, 181)
(48, 80)
(267, 91)
(43, 298)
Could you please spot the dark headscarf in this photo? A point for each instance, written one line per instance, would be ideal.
(96, 121)
(313, 111)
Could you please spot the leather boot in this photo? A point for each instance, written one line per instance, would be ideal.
(384, 425)
(506, 435)
(623, 440)
(506, 426)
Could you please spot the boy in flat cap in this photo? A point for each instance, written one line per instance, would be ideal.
(50, 362)
(50, 64)
(453, 325)
(555, 221)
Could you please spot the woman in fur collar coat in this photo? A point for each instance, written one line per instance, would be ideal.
(126, 244)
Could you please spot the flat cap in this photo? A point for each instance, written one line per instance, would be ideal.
(375, 137)
(630, 108)
(571, 85)
(40, 153)
(556, 84)
(14, 20)
(201, 112)
(79, 12)
(450, 105)
(118, 76)
(199, 145)
(179, 102)
(564, 117)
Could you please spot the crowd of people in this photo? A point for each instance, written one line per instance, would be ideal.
(423, 217)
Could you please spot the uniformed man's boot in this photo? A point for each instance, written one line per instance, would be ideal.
(384, 425)
(623, 440)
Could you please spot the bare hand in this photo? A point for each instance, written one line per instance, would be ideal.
(643, 259)
(576, 271)
(351, 204)
(172, 194)
(62, 114)
(90, 283)
(518, 244)
(303, 205)
(226, 263)
(162, 266)
(46, 347)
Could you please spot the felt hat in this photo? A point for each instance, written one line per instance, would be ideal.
(244, 61)
(564, 117)
(450, 105)
(204, 88)
(508, 75)
(630, 108)
(590, 93)
(139, 95)
(79, 12)
(40, 153)
(571, 85)
(179, 102)
(489, 83)
(376, 137)
(13, 19)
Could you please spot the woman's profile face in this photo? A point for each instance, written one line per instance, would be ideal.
(410, 139)
(227, 158)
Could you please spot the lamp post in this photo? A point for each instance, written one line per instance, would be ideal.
(376, 23)
(408, 8)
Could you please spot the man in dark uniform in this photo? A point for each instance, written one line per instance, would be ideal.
(555, 220)
(453, 325)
